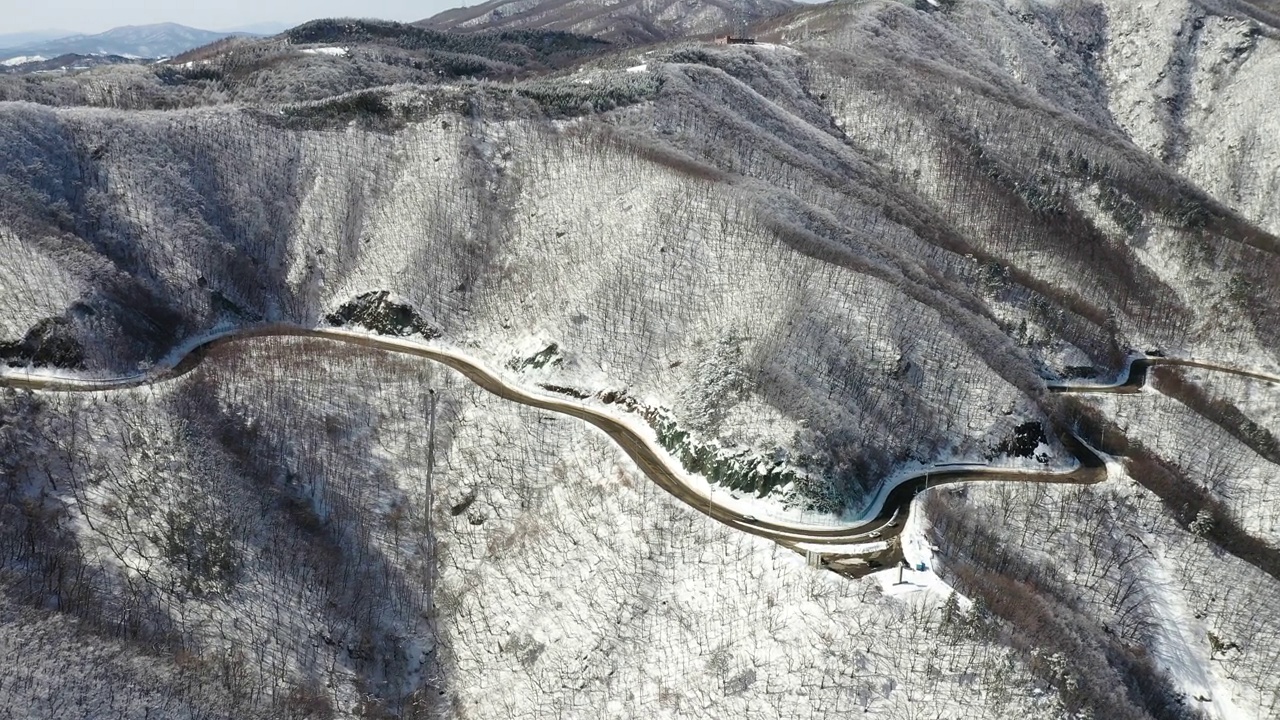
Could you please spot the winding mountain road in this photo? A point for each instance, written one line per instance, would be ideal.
(637, 441)
(1135, 375)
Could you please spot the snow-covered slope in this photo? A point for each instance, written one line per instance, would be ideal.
(22, 60)
(900, 248)
(499, 562)
(621, 21)
(858, 248)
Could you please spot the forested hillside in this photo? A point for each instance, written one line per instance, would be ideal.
(811, 267)
(624, 21)
(314, 61)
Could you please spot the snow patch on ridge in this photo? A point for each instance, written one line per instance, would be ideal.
(326, 51)
(22, 60)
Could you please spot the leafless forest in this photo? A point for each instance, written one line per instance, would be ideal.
(859, 247)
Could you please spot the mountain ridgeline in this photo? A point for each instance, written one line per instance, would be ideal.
(134, 41)
(623, 22)
(313, 62)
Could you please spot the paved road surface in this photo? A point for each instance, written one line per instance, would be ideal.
(653, 460)
(1135, 376)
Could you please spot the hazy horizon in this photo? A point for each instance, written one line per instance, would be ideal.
(89, 16)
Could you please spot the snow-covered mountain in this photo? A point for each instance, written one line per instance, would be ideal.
(26, 64)
(22, 60)
(880, 242)
(139, 41)
(626, 21)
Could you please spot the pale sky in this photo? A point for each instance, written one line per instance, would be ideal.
(91, 16)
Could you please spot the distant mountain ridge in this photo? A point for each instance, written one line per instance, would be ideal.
(19, 39)
(142, 41)
(624, 21)
(70, 62)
